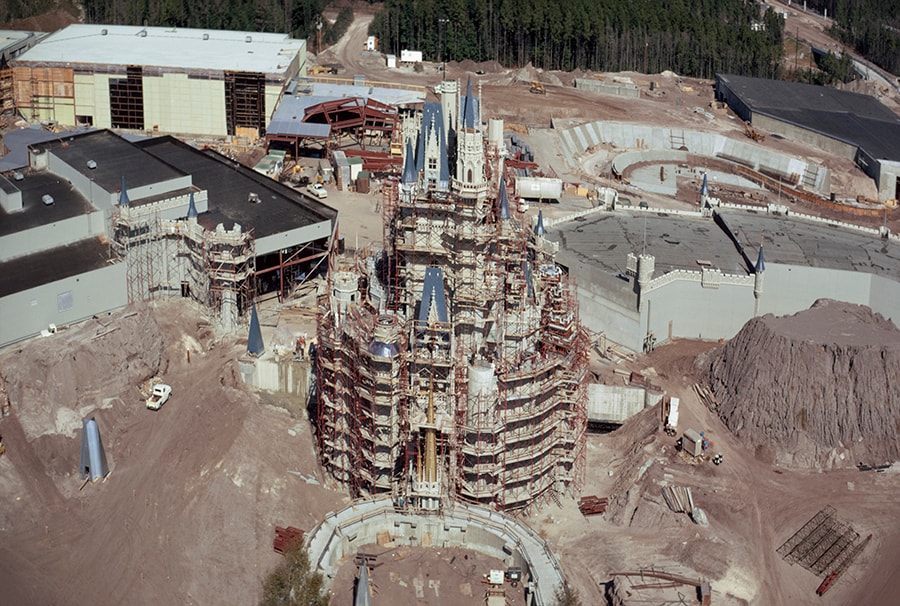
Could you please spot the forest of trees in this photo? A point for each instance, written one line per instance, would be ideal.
(691, 37)
(871, 27)
(298, 17)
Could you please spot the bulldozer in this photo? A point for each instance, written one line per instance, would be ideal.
(537, 88)
(316, 70)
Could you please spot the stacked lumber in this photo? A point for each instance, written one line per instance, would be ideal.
(679, 499)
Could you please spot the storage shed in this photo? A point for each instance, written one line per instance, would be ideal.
(692, 443)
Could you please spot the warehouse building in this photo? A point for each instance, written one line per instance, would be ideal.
(94, 222)
(188, 81)
(855, 126)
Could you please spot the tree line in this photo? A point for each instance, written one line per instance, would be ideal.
(870, 27)
(691, 37)
(297, 17)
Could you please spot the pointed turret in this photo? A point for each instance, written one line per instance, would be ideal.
(504, 201)
(123, 194)
(759, 271)
(409, 166)
(255, 343)
(760, 262)
(93, 457)
(434, 302)
(192, 208)
(469, 114)
(363, 595)
(539, 229)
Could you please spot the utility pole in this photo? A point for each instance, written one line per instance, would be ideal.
(441, 23)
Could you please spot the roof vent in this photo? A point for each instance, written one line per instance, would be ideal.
(253, 198)
(206, 36)
(248, 39)
(104, 31)
(91, 164)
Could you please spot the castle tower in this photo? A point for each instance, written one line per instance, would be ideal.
(449, 104)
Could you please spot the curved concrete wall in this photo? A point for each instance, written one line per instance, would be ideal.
(637, 136)
(343, 532)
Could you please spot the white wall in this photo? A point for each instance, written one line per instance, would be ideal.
(52, 235)
(26, 313)
(290, 238)
(177, 104)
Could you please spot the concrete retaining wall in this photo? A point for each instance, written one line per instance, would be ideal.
(637, 136)
(619, 89)
(342, 533)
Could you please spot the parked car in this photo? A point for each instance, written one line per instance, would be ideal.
(317, 189)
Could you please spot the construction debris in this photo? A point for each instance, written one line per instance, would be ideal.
(592, 505)
(286, 538)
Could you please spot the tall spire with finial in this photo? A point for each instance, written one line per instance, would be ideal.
(539, 229)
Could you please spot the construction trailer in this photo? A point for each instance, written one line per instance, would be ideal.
(451, 363)
(692, 443)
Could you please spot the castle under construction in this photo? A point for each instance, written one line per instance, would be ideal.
(451, 363)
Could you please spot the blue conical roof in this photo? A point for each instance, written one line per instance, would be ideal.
(409, 166)
(504, 200)
(255, 343)
(192, 208)
(123, 194)
(93, 457)
(539, 228)
(469, 112)
(363, 597)
(704, 189)
(760, 262)
(433, 296)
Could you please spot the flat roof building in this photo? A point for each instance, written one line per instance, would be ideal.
(192, 81)
(855, 126)
(95, 222)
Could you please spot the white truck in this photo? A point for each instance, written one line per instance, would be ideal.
(317, 189)
(159, 396)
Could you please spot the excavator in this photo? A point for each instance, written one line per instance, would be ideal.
(753, 133)
(537, 87)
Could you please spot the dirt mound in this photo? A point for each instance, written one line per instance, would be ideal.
(818, 388)
(58, 380)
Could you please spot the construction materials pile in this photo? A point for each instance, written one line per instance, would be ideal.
(815, 389)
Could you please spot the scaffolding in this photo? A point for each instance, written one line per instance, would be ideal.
(478, 393)
(166, 258)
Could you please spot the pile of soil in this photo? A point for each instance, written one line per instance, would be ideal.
(819, 388)
(187, 513)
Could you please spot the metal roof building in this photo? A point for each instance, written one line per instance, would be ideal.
(204, 82)
(852, 125)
